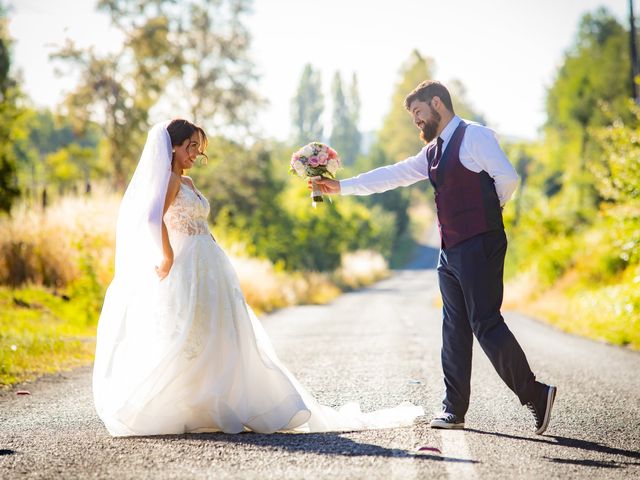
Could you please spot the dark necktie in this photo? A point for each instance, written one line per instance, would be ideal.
(436, 160)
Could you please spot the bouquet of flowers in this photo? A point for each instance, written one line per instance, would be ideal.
(315, 160)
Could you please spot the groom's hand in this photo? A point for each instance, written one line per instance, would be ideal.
(327, 185)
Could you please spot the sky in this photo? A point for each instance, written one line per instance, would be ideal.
(505, 52)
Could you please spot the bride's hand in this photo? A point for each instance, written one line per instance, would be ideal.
(163, 269)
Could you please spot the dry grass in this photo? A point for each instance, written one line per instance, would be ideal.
(520, 291)
(48, 248)
(266, 288)
(361, 268)
(607, 312)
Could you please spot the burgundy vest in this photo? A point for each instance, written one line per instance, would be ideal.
(466, 201)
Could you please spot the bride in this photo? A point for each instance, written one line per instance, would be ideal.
(178, 349)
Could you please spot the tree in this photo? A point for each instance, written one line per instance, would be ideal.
(396, 201)
(354, 111)
(590, 91)
(462, 104)
(70, 165)
(208, 47)
(49, 134)
(594, 72)
(217, 72)
(192, 52)
(397, 139)
(617, 179)
(398, 136)
(10, 114)
(345, 136)
(618, 176)
(307, 107)
(118, 90)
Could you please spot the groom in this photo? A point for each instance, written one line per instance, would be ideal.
(472, 179)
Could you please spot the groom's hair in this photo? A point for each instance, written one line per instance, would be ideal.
(426, 91)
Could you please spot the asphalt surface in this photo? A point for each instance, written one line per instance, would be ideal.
(379, 346)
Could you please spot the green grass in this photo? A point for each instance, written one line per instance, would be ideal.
(41, 332)
(609, 313)
(587, 284)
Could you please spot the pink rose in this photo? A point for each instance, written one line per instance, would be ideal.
(313, 161)
(323, 158)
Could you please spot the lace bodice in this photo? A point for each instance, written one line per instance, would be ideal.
(188, 213)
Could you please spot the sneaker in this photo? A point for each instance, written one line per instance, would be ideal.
(447, 420)
(541, 407)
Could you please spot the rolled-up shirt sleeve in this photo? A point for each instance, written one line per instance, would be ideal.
(483, 149)
(401, 174)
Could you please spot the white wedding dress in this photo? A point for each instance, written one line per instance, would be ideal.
(187, 354)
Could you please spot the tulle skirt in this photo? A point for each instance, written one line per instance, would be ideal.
(187, 354)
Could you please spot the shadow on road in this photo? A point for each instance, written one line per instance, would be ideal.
(575, 443)
(319, 443)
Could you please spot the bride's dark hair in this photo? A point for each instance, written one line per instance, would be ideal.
(180, 129)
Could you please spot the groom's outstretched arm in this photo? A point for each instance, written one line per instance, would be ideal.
(401, 174)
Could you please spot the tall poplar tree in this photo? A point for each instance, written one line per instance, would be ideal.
(307, 107)
(345, 136)
(354, 112)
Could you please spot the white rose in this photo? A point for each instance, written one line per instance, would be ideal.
(299, 168)
(332, 166)
(307, 151)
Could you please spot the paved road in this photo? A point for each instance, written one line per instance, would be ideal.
(379, 346)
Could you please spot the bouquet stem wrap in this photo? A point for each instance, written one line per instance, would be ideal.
(316, 193)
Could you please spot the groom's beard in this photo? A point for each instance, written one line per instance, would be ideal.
(430, 128)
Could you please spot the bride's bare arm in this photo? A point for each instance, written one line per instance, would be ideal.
(172, 190)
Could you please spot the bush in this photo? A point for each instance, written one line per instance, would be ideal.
(290, 233)
(361, 268)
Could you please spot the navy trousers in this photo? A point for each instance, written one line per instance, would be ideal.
(471, 283)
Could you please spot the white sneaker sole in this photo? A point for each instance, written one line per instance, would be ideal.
(551, 396)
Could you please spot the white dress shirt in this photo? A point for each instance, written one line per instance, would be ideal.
(479, 151)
